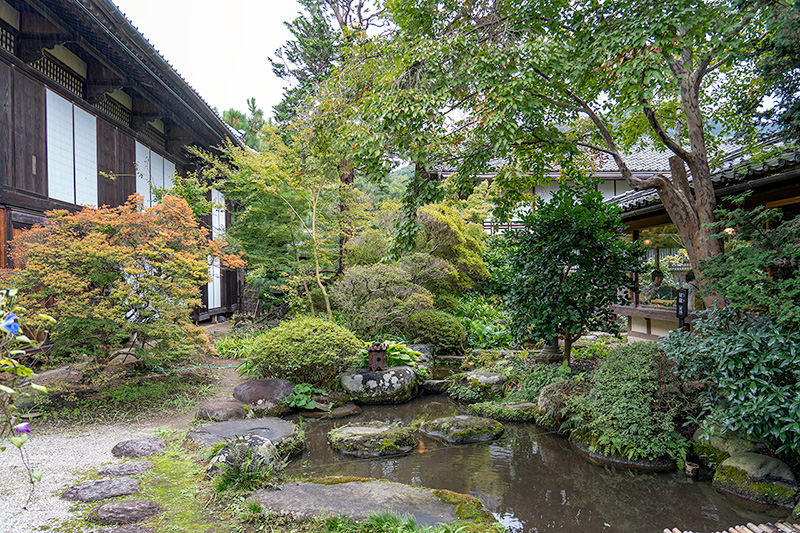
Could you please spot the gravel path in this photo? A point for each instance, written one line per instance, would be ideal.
(62, 458)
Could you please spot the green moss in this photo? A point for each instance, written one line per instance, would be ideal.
(708, 455)
(501, 411)
(735, 480)
(294, 444)
(392, 440)
(336, 480)
(467, 507)
(460, 431)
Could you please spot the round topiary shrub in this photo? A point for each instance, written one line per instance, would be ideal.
(302, 350)
(441, 330)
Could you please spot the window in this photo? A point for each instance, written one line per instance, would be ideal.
(152, 170)
(217, 232)
(71, 152)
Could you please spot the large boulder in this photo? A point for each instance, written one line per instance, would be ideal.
(237, 450)
(462, 429)
(425, 349)
(373, 439)
(398, 384)
(125, 512)
(712, 446)
(757, 477)
(360, 499)
(285, 435)
(94, 491)
(552, 402)
(264, 396)
(138, 447)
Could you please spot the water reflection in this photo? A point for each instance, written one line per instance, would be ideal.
(530, 479)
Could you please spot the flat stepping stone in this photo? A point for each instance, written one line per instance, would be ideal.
(359, 499)
(138, 447)
(275, 430)
(126, 469)
(462, 429)
(343, 411)
(94, 491)
(375, 439)
(221, 411)
(125, 512)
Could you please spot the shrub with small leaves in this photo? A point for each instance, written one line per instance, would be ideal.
(441, 330)
(303, 350)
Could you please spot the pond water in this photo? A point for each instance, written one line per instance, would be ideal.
(532, 480)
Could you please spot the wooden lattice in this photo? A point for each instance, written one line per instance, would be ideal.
(60, 75)
(115, 110)
(7, 40)
(155, 138)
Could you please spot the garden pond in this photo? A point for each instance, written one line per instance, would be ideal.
(531, 479)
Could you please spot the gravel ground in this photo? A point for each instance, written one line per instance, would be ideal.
(62, 457)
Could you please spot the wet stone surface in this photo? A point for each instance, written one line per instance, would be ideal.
(125, 512)
(138, 447)
(273, 429)
(104, 489)
(132, 468)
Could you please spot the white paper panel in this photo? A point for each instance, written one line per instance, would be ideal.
(545, 192)
(217, 215)
(156, 169)
(622, 186)
(143, 172)
(60, 169)
(169, 171)
(85, 157)
(606, 188)
(215, 285)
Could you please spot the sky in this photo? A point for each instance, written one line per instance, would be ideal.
(220, 48)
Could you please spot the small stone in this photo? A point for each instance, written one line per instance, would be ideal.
(138, 447)
(463, 429)
(125, 512)
(221, 411)
(374, 439)
(126, 469)
(101, 490)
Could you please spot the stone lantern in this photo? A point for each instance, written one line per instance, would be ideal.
(377, 357)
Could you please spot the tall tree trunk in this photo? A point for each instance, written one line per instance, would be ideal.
(347, 179)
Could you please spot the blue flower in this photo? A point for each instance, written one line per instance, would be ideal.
(10, 324)
(22, 428)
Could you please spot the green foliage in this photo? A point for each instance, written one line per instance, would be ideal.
(632, 407)
(303, 350)
(753, 366)
(593, 351)
(484, 323)
(444, 234)
(761, 265)
(567, 264)
(441, 330)
(377, 298)
(301, 396)
(537, 377)
(250, 124)
(193, 187)
(367, 248)
(433, 273)
(245, 470)
(112, 274)
(235, 345)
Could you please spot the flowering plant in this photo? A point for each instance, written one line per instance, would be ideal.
(13, 374)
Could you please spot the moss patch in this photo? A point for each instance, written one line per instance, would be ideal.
(473, 516)
(733, 480)
(336, 480)
(374, 439)
(708, 455)
(503, 411)
(463, 429)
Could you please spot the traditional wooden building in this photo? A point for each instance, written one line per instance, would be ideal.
(773, 182)
(83, 95)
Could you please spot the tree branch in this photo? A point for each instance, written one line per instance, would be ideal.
(665, 138)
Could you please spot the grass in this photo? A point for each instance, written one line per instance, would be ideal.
(236, 345)
(142, 396)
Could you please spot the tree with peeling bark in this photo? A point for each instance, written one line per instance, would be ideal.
(536, 82)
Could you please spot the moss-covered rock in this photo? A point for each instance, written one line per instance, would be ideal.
(712, 446)
(506, 412)
(462, 429)
(473, 516)
(374, 439)
(398, 384)
(756, 477)
(474, 387)
(589, 451)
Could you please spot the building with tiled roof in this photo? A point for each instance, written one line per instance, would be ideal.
(84, 95)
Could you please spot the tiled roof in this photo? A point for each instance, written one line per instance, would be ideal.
(736, 168)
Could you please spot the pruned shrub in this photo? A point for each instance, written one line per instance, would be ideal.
(429, 271)
(367, 248)
(441, 330)
(377, 298)
(303, 350)
(631, 410)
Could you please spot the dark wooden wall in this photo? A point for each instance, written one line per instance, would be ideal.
(5, 125)
(116, 154)
(30, 137)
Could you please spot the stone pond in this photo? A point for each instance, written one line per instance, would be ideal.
(531, 479)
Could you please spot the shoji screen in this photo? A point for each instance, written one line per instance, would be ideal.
(85, 127)
(60, 149)
(143, 172)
